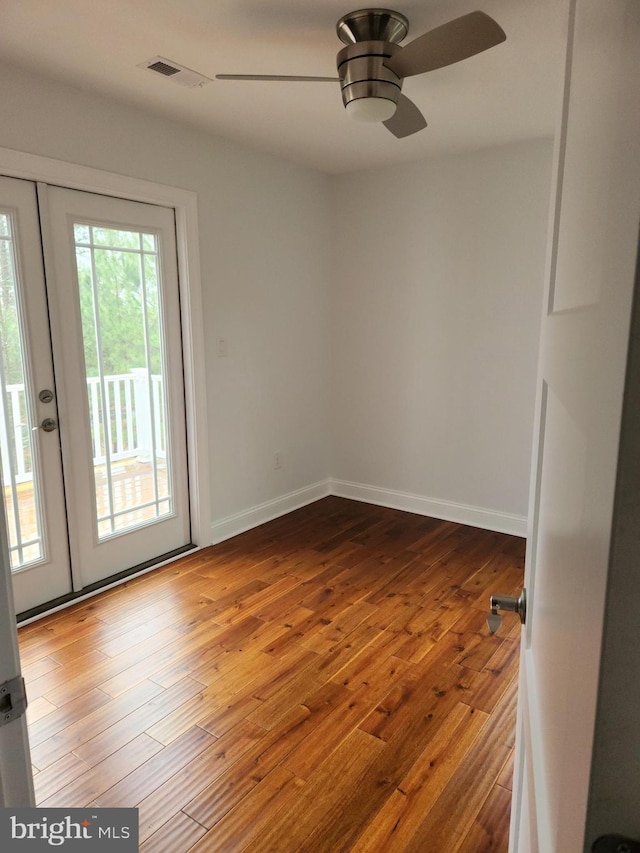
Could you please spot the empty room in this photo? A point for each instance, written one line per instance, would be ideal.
(318, 434)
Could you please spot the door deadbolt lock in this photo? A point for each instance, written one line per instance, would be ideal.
(45, 396)
(506, 602)
(48, 425)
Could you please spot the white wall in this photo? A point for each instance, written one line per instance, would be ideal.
(413, 293)
(436, 313)
(264, 253)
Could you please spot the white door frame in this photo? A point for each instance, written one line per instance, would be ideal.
(33, 167)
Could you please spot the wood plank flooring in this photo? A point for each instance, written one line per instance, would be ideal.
(323, 683)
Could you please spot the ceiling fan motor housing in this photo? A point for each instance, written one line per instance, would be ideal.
(363, 73)
(371, 36)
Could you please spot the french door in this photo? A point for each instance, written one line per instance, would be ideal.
(92, 421)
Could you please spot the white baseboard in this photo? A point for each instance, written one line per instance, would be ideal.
(232, 525)
(501, 522)
(240, 522)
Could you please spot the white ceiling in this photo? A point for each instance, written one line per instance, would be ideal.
(506, 94)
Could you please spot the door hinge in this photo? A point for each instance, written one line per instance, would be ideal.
(615, 844)
(13, 700)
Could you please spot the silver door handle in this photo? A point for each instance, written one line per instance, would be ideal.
(48, 425)
(506, 602)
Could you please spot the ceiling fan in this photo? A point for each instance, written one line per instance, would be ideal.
(373, 65)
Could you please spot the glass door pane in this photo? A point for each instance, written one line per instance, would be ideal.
(118, 281)
(18, 451)
(122, 415)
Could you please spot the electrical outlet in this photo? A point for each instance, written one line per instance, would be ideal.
(222, 347)
(277, 460)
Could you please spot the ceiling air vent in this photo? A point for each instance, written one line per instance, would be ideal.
(177, 73)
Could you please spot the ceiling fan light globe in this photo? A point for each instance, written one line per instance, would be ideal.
(371, 109)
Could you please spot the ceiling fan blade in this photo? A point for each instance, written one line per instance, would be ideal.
(277, 77)
(406, 120)
(459, 39)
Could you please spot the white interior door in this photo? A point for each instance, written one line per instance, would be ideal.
(31, 464)
(581, 382)
(114, 302)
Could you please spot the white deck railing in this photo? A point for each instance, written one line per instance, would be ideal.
(14, 433)
(136, 413)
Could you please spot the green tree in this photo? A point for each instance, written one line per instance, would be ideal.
(120, 292)
(115, 307)
(9, 320)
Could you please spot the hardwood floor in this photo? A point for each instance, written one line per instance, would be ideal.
(323, 683)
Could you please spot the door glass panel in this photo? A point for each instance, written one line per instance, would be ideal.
(18, 450)
(119, 286)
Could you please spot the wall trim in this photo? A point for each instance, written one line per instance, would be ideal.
(501, 522)
(239, 522)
